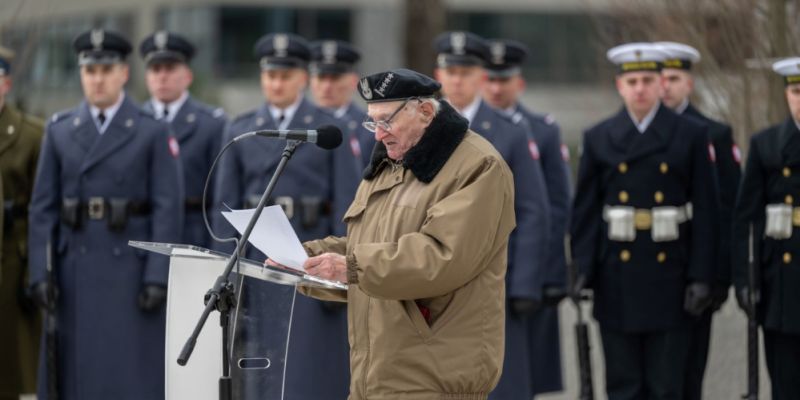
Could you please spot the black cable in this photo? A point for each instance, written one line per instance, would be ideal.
(205, 193)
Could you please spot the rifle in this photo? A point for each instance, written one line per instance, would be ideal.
(51, 331)
(752, 324)
(582, 342)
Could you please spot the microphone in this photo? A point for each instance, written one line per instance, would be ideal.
(327, 136)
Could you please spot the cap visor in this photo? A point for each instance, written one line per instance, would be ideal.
(453, 60)
(502, 73)
(164, 57)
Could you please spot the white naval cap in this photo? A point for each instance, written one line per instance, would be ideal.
(638, 56)
(679, 55)
(789, 68)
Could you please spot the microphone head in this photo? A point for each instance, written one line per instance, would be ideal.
(329, 137)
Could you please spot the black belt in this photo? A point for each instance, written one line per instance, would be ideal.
(99, 207)
(308, 208)
(114, 209)
(194, 204)
(12, 211)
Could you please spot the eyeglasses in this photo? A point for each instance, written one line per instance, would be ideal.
(385, 124)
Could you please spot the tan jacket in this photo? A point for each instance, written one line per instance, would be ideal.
(439, 246)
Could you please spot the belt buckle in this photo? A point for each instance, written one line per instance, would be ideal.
(96, 207)
(796, 216)
(642, 219)
(287, 204)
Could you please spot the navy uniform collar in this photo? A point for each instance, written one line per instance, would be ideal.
(789, 141)
(626, 138)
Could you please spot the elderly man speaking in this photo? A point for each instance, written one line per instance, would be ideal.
(425, 252)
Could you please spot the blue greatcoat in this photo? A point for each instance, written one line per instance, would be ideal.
(198, 128)
(527, 245)
(318, 365)
(356, 139)
(108, 348)
(543, 328)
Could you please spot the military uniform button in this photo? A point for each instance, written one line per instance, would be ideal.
(625, 255)
(659, 197)
(622, 167)
(623, 196)
(661, 257)
(787, 257)
(664, 168)
(787, 172)
(789, 199)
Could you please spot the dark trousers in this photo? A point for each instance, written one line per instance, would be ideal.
(699, 338)
(782, 351)
(645, 366)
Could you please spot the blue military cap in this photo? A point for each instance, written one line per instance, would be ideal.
(679, 55)
(166, 47)
(505, 57)
(639, 56)
(282, 51)
(397, 84)
(460, 48)
(789, 68)
(6, 56)
(333, 57)
(101, 46)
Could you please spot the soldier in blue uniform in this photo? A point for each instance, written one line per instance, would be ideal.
(768, 202)
(679, 86)
(643, 230)
(108, 173)
(313, 193)
(502, 91)
(460, 69)
(333, 83)
(197, 126)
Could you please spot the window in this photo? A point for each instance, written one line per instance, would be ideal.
(241, 27)
(562, 46)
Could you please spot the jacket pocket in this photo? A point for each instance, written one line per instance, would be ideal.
(417, 319)
(354, 212)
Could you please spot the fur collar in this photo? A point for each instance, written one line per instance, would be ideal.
(432, 151)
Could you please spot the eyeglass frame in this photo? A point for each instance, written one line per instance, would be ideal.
(373, 126)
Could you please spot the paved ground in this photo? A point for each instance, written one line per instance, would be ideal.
(726, 373)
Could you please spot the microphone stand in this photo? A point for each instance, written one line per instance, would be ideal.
(221, 296)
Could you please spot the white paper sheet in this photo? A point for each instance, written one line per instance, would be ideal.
(273, 235)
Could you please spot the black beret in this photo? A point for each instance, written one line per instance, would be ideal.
(163, 46)
(282, 51)
(505, 57)
(460, 48)
(397, 84)
(100, 46)
(333, 57)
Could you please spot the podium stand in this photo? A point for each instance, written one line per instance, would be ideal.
(259, 331)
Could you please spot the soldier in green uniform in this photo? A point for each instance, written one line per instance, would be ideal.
(1, 231)
(20, 137)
